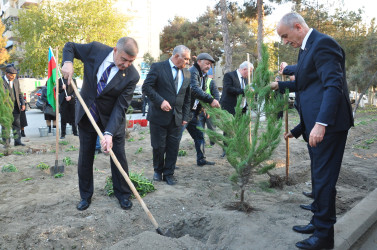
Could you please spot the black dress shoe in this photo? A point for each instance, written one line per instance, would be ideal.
(306, 229)
(315, 243)
(169, 180)
(19, 144)
(203, 162)
(306, 207)
(157, 177)
(62, 137)
(125, 204)
(308, 194)
(83, 204)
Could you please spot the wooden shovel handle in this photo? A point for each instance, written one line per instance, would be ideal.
(129, 182)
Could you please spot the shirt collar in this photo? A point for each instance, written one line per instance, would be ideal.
(303, 45)
(109, 59)
(171, 64)
(239, 74)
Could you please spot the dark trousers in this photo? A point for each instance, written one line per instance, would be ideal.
(165, 144)
(64, 128)
(88, 137)
(197, 135)
(326, 161)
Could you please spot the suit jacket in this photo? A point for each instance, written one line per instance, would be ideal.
(159, 86)
(231, 90)
(115, 98)
(16, 94)
(198, 91)
(321, 85)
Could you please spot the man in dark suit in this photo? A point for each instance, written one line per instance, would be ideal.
(325, 116)
(67, 102)
(167, 87)
(108, 86)
(199, 93)
(11, 83)
(234, 84)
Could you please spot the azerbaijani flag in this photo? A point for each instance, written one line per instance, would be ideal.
(51, 78)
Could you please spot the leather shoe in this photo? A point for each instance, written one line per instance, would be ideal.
(62, 137)
(19, 144)
(203, 162)
(157, 177)
(306, 229)
(223, 154)
(308, 194)
(169, 179)
(306, 207)
(83, 204)
(125, 204)
(315, 243)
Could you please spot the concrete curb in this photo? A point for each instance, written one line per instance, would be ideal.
(356, 222)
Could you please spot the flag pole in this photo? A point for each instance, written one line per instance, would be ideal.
(57, 104)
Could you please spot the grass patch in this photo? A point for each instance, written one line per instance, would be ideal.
(1, 155)
(142, 184)
(9, 168)
(59, 175)
(182, 152)
(141, 138)
(27, 179)
(131, 140)
(67, 161)
(71, 148)
(63, 142)
(43, 166)
(18, 153)
(139, 150)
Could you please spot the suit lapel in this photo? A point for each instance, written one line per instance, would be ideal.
(168, 72)
(98, 61)
(308, 46)
(237, 79)
(119, 76)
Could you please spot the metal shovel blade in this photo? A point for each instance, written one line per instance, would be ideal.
(56, 169)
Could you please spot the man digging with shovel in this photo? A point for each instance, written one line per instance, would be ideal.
(108, 86)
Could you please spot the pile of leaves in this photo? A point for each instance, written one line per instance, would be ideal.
(142, 184)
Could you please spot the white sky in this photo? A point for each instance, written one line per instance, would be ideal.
(195, 8)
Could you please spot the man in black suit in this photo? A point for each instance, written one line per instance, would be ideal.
(198, 93)
(167, 87)
(234, 84)
(11, 83)
(325, 117)
(108, 86)
(67, 101)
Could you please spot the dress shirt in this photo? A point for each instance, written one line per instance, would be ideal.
(174, 72)
(108, 60)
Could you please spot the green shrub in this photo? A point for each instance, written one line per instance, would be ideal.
(9, 168)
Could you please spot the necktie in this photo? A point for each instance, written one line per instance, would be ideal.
(176, 78)
(300, 53)
(100, 86)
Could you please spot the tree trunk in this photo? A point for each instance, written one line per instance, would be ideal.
(361, 96)
(242, 195)
(226, 39)
(260, 28)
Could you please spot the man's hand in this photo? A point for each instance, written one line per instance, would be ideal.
(67, 71)
(215, 104)
(165, 106)
(316, 135)
(107, 143)
(274, 85)
(23, 107)
(282, 67)
(288, 135)
(68, 98)
(184, 123)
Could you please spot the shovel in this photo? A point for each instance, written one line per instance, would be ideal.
(57, 168)
(129, 182)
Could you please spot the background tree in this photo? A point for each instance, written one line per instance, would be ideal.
(4, 55)
(247, 155)
(226, 37)
(6, 112)
(53, 23)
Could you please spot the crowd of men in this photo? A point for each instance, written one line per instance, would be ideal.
(175, 94)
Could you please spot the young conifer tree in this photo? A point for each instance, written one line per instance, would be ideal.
(245, 153)
(6, 109)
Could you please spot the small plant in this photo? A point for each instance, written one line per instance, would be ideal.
(71, 148)
(18, 153)
(142, 132)
(59, 175)
(182, 152)
(141, 138)
(63, 142)
(131, 140)
(139, 150)
(27, 179)
(43, 166)
(1, 155)
(9, 168)
(68, 161)
(142, 184)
